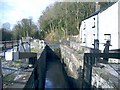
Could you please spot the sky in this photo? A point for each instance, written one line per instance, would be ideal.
(13, 11)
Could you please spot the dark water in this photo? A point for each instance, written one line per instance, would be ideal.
(48, 83)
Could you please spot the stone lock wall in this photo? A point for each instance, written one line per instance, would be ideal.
(73, 63)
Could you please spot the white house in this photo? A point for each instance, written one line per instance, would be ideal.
(102, 25)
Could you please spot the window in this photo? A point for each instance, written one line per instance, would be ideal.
(107, 37)
(84, 40)
(94, 23)
(84, 26)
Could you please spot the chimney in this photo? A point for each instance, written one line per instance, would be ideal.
(97, 6)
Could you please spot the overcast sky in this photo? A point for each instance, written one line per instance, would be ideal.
(14, 10)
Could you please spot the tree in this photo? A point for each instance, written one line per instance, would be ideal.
(6, 26)
(64, 18)
(24, 28)
(6, 34)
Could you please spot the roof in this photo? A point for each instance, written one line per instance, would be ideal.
(98, 11)
(93, 14)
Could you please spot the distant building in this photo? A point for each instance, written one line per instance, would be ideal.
(38, 44)
(24, 46)
(42, 44)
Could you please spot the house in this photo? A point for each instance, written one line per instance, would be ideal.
(102, 26)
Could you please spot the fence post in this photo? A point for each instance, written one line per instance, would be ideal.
(33, 60)
(17, 45)
(13, 45)
(96, 50)
(106, 49)
(87, 71)
(1, 77)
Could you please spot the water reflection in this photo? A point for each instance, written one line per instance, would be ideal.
(48, 84)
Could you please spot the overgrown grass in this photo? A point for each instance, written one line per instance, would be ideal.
(8, 79)
(35, 50)
(16, 64)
